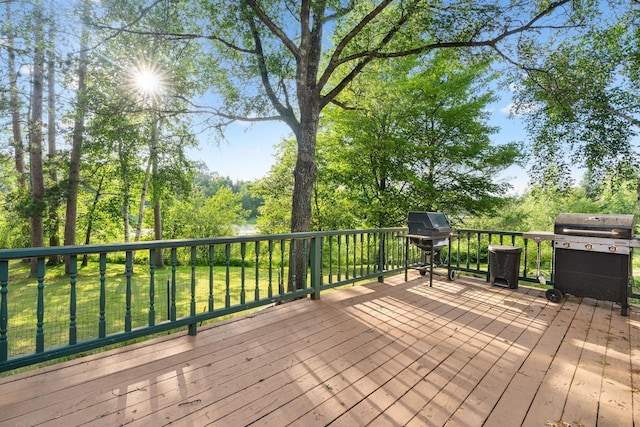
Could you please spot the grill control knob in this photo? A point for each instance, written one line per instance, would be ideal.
(588, 246)
(612, 249)
(566, 244)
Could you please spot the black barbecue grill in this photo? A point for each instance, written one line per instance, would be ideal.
(430, 231)
(593, 257)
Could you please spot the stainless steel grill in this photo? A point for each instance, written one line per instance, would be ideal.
(593, 257)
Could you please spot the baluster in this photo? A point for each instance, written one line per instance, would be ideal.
(152, 287)
(40, 271)
(281, 278)
(305, 257)
(211, 258)
(4, 312)
(355, 255)
(194, 256)
(368, 253)
(293, 264)
(361, 254)
(525, 252)
(339, 258)
(478, 253)
(174, 266)
(73, 275)
(128, 274)
(102, 322)
(243, 253)
(346, 257)
(330, 259)
(375, 248)
(468, 250)
(227, 295)
(257, 296)
(381, 255)
(270, 268)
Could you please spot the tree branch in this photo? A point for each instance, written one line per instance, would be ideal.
(277, 31)
(286, 113)
(367, 56)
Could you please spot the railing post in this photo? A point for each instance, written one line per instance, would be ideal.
(316, 267)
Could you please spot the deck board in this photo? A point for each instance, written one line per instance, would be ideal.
(400, 353)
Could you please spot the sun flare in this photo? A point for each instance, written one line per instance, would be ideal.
(148, 80)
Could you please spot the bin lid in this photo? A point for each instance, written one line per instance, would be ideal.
(504, 248)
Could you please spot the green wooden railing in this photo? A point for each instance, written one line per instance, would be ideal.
(470, 253)
(118, 292)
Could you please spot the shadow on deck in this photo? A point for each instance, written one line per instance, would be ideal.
(395, 353)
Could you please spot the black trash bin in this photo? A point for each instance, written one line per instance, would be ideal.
(504, 265)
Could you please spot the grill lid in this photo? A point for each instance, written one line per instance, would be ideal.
(616, 226)
(428, 223)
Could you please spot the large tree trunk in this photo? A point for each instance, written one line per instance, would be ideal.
(35, 138)
(305, 171)
(304, 174)
(71, 214)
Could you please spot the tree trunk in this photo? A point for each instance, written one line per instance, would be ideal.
(305, 178)
(54, 219)
(126, 188)
(157, 230)
(76, 141)
(35, 138)
(14, 104)
(157, 212)
(638, 194)
(90, 215)
(143, 200)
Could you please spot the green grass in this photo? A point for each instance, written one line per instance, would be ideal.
(23, 295)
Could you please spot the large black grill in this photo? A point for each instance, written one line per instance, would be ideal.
(593, 256)
(430, 231)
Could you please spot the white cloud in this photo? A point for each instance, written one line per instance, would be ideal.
(518, 110)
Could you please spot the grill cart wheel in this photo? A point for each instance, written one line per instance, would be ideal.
(452, 275)
(553, 295)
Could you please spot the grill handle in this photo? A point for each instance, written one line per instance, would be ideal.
(590, 232)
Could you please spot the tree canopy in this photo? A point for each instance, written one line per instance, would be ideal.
(581, 99)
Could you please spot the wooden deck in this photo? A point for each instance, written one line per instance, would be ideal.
(397, 353)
